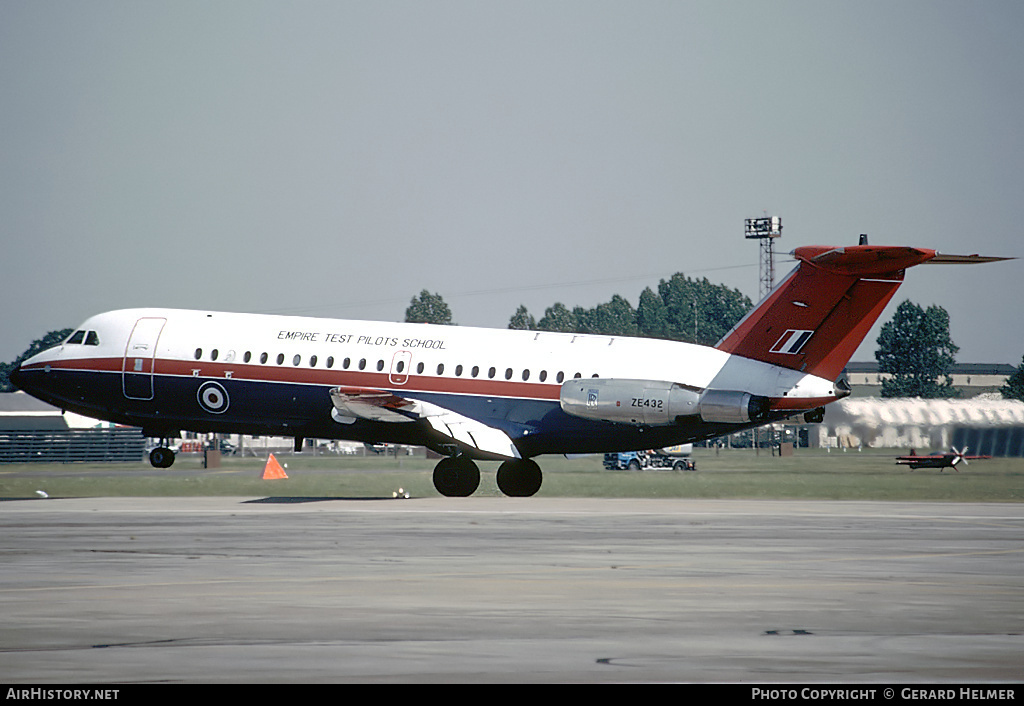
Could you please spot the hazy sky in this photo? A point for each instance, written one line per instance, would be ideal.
(335, 158)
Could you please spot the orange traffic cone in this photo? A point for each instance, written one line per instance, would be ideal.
(273, 469)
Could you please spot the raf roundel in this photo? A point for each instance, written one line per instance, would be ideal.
(213, 397)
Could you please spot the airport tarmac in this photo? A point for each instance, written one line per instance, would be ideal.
(244, 590)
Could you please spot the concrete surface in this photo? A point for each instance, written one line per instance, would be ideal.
(248, 590)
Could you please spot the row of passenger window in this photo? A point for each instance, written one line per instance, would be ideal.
(346, 364)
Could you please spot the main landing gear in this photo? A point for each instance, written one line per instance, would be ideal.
(459, 477)
(456, 477)
(520, 478)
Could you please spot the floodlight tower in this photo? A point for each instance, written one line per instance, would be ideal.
(766, 230)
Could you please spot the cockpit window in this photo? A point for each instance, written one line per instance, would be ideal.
(92, 339)
(77, 337)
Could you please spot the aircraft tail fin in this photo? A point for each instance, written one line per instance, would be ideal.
(817, 317)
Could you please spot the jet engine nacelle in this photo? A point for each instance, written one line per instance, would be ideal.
(650, 402)
(656, 402)
(732, 406)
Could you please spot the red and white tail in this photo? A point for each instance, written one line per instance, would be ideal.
(817, 317)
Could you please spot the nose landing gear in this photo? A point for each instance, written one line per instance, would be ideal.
(161, 457)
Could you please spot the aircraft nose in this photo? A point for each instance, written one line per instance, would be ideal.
(36, 381)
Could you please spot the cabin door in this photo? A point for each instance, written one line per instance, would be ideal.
(400, 363)
(139, 358)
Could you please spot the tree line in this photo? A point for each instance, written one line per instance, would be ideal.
(682, 309)
(38, 346)
(914, 349)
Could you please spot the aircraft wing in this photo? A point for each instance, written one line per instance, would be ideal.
(351, 403)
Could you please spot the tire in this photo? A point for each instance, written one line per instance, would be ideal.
(456, 477)
(519, 479)
(161, 457)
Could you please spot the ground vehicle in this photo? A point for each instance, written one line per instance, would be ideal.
(226, 448)
(626, 460)
(660, 458)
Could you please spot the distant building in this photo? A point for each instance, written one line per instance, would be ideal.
(971, 379)
(988, 424)
(32, 431)
(19, 412)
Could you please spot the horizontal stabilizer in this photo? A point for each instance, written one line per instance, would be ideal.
(941, 259)
(863, 260)
(816, 317)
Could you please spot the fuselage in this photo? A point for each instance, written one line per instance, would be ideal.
(169, 370)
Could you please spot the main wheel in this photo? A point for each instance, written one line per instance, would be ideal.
(456, 477)
(519, 479)
(161, 457)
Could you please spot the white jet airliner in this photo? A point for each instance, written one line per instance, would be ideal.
(471, 393)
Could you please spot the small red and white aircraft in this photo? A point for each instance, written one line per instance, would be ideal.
(473, 393)
(938, 459)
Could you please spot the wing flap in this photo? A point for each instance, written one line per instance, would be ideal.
(351, 403)
(469, 431)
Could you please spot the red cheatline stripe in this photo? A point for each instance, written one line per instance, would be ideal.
(287, 373)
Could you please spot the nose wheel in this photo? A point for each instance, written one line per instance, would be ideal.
(161, 457)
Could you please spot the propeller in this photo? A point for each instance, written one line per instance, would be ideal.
(959, 455)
